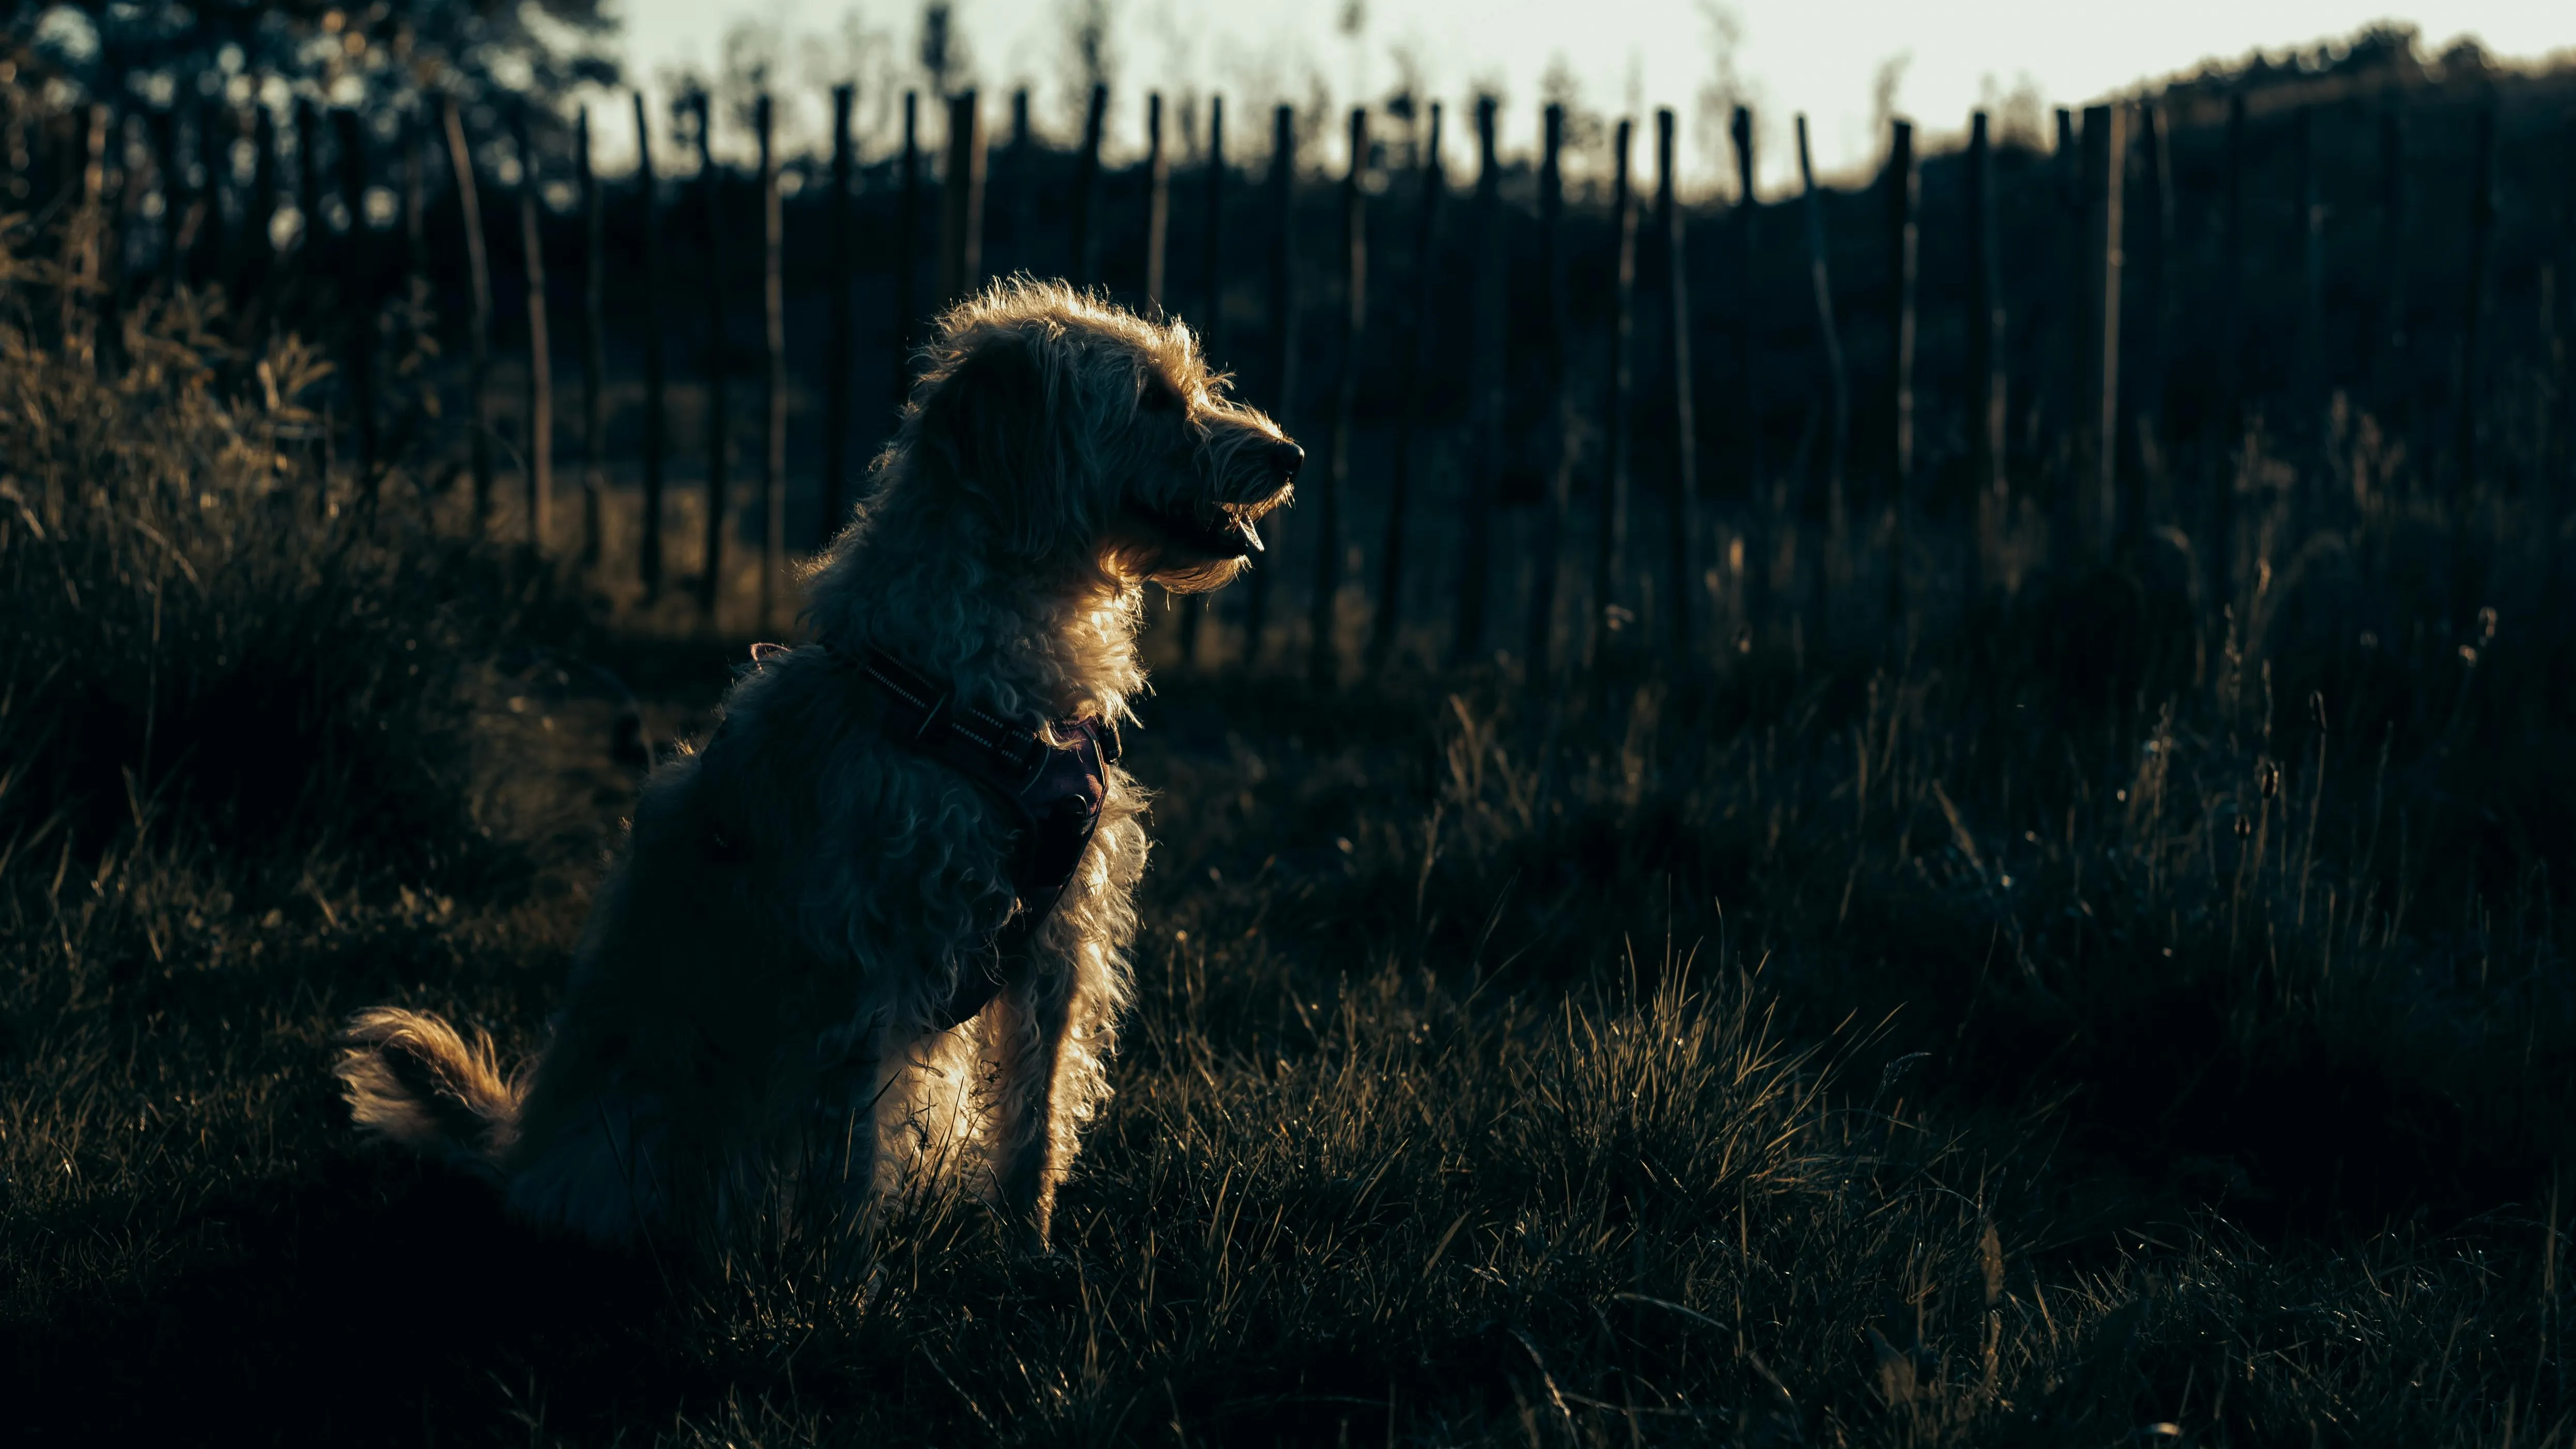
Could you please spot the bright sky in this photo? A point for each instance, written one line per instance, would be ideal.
(1821, 57)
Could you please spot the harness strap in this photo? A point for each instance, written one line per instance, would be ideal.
(1055, 792)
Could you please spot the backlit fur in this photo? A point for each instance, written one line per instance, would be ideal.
(759, 1020)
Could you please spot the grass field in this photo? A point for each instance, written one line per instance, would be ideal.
(2135, 1012)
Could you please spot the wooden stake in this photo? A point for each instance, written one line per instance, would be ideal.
(2482, 215)
(907, 232)
(358, 300)
(2236, 336)
(2388, 339)
(2097, 499)
(648, 201)
(260, 221)
(2310, 219)
(1838, 429)
(1682, 547)
(1987, 391)
(178, 206)
(1748, 225)
(1086, 182)
(773, 308)
(1422, 349)
(308, 186)
(838, 365)
(594, 348)
(1610, 531)
(719, 419)
(1484, 398)
(1904, 191)
(1545, 557)
(1212, 240)
(1283, 337)
(211, 263)
(1158, 203)
(1324, 667)
(415, 201)
(478, 269)
(2147, 388)
(961, 201)
(541, 380)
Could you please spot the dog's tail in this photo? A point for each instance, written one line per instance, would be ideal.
(413, 1080)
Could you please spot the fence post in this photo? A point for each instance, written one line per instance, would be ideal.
(2482, 213)
(961, 200)
(1988, 405)
(1420, 350)
(209, 261)
(1283, 328)
(719, 420)
(1324, 667)
(2147, 389)
(649, 203)
(1086, 182)
(1194, 607)
(1484, 396)
(1820, 277)
(907, 231)
(2312, 283)
(594, 348)
(478, 267)
(541, 381)
(1760, 549)
(358, 299)
(773, 310)
(2235, 333)
(1904, 191)
(2388, 339)
(836, 367)
(2563, 367)
(1158, 203)
(260, 221)
(1545, 556)
(178, 211)
(308, 187)
(1682, 547)
(2097, 502)
(1610, 541)
(1212, 238)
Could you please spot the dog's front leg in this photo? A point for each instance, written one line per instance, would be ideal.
(1028, 1021)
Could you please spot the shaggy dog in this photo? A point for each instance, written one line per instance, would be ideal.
(821, 973)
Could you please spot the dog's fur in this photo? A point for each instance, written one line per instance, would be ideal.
(764, 1016)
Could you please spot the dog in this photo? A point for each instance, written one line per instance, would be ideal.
(848, 950)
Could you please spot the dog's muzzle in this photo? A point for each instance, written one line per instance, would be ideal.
(1230, 530)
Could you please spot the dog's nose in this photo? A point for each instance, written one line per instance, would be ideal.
(1285, 459)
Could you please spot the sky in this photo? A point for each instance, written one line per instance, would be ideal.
(1846, 64)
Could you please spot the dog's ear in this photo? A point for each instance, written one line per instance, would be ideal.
(996, 422)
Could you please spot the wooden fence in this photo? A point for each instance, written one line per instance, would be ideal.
(1977, 332)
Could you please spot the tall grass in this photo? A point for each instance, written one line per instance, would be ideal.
(2132, 1010)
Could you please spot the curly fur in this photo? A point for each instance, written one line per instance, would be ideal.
(762, 1018)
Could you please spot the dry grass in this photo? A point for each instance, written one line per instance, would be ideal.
(2057, 1032)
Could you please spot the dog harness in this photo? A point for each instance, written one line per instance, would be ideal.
(1055, 792)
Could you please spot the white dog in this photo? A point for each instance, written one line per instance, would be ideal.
(876, 929)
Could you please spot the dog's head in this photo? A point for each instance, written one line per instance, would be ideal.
(1087, 438)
